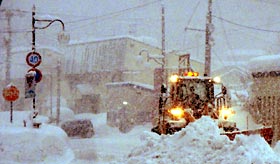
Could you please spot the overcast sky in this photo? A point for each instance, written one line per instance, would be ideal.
(238, 24)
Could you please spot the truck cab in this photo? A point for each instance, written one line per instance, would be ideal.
(189, 97)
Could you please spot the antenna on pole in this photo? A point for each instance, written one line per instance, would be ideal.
(208, 40)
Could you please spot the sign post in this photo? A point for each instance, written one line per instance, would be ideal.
(32, 77)
(11, 93)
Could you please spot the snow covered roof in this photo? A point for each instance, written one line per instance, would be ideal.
(229, 69)
(240, 57)
(144, 39)
(131, 84)
(265, 63)
(182, 52)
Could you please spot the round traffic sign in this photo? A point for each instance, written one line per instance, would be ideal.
(38, 74)
(10, 93)
(33, 59)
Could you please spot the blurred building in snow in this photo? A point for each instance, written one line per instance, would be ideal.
(117, 70)
(264, 94)
(89, 67)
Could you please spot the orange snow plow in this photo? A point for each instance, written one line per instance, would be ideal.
(265, 132)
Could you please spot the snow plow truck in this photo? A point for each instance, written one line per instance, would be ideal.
(190, 96)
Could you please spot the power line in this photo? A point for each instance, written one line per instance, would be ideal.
(97, 18)
(194, 29)
(245, 26)
(225, 33)
(39, 12)
(115, 13)
(15, 31)
(188, 23)
(109, 15)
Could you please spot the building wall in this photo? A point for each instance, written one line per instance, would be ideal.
(264, 98)
(95, 63)
(104, 55)
(136, 66)
(139, 107)
(127, 67)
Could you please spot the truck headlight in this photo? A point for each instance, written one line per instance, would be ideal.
(225, 113)
(177, 112)
(174, 78)
(217, 79)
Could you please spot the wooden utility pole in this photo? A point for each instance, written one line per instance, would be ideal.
(164, 61)
(208, 40)
(7, 42)
(164, 74)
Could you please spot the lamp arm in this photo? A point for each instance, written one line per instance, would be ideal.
(155, 60)
(50, 22)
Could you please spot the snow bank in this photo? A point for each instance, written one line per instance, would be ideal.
(19, 116)
(18, 144)
(47, 144)
(66, 114)
(201, 142)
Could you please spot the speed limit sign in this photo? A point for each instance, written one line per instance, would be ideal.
(33, 59)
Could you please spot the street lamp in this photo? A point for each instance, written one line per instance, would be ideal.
(159, 59)
(155, 58)
(62, 38)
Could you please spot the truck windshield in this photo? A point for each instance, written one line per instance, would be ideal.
(188, 87)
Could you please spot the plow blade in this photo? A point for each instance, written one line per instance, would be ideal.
(265, 132)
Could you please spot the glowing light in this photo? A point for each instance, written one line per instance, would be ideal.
(217, 79)
(125, 102)
(177, 112)
(191, 74)
(173, 78)
(225, 113)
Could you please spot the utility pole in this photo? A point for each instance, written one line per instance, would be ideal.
(164, 72)
(7, 42)
(208, 40)
(164, 62)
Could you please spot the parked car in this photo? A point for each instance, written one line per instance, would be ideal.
(78, 128)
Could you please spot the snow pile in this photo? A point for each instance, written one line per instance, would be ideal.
(19, 117)
(66, 114)
(48, 144)
(201, 142)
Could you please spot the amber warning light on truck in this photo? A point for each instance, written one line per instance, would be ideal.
(191, 74)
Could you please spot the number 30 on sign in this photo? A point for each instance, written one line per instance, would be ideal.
(33, 59)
